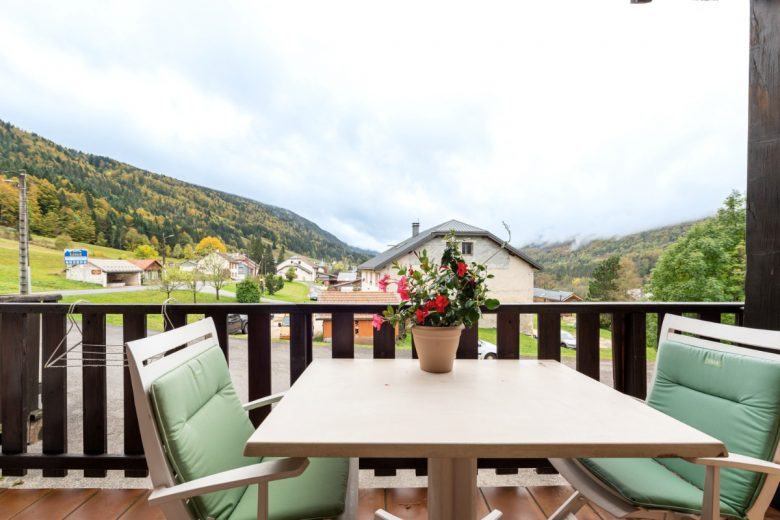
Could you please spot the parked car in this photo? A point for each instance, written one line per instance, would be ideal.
(314, 294)
(486, 350)
(567, 340)
(236, 323)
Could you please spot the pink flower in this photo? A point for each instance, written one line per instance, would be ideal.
(377, 321)
(383, 282)
(441, 303)
(462, 269)
(403, 290)
(421, 315)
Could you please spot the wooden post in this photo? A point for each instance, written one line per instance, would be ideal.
(762, 280)
(259, 362)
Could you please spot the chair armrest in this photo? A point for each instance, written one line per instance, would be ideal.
(381, 514)
(264, 401)
(264, 471)
(737, 461)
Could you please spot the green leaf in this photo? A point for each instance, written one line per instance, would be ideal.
(491, 304)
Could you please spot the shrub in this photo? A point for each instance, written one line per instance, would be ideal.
(248, 291)
(63, 241)
(273, 283)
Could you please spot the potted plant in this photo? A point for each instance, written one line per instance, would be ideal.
(438, 300)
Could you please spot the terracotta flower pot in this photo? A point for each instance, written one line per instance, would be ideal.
(436, 347)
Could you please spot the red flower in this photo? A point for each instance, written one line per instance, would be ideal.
(421, 315)
(462, 269)
(430, 304)
(403, 291)
(383, 282)
(411, 271)
(377, 321)
(441, 303)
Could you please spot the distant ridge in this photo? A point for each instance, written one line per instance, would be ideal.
(100, 200)
(564, 262)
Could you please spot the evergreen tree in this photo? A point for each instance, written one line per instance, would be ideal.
(604, 282)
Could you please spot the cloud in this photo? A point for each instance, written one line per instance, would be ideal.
(572, 119)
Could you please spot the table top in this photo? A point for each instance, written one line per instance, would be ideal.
(483, 408)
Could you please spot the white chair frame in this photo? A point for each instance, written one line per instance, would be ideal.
(146, 363)
(710, 336)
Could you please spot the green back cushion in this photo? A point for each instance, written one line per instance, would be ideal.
(203, 425)
(733, 397)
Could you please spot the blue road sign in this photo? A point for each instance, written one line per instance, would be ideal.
(75, 256)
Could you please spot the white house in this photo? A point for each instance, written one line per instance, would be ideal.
(108, 273)
(306, 269)
(512, 270)
(239, 265)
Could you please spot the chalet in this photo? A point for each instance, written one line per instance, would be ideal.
(239, 265)
(364, 331)
(306, 269)
(347, 281)
(107, 273)
(548, 295)
(512, 269)
(152, 270)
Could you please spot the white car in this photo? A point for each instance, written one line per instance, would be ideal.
(567, 340)
(486, 350)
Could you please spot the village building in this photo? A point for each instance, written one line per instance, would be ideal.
(306, 269)
(364, 331)
(106, 273)
(548, 295)
(512, 270)
(239, 265)
(152, 271)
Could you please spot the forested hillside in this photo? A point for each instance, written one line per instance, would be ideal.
(102, 201)
(564, 263)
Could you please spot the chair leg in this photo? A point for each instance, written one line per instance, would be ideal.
(570, 507)
(711, 507)
(262, 500)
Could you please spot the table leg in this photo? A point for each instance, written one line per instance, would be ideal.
(452, 489)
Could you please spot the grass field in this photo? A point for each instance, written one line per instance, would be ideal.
(154, 322)
(292, 292)
(46, 265)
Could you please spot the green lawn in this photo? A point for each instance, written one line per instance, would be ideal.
(154, 322)
(293, 292)
(47, 266)
(528, 346)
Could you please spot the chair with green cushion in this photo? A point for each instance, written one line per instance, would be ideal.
(194, 427)
(730, 392)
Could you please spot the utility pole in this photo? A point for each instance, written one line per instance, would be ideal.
(163, 248)
(24, 235)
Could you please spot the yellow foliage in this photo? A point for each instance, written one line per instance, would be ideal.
(210, 244)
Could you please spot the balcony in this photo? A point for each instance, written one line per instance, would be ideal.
(86, 421)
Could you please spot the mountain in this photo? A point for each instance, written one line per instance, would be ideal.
(106, 202)
(565, 261)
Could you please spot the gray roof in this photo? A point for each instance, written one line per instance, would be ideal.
(548, 294)
(115, 266)
(414, 242)
(347, 276)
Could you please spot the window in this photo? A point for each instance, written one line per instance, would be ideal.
(467, 248)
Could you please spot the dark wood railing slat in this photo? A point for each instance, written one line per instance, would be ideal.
(32, 342)
(94, 395)
(298, 345)
(133, 328)
(384, 342)
(467, 347)
(220, 322)
(343, 334)
(508, 335)
(588, 351)
(618, 351)
(54, 391)
(550, 336)
(259, 362)
(13, 376)
(713, 316)
(635, 376)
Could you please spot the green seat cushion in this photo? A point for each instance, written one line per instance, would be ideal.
(732, 396)
(203, 426)
(320, 492)
(647, 483)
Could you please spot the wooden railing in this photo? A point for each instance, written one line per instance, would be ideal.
(21, 338)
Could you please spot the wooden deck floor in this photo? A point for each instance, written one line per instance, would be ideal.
(408, 503)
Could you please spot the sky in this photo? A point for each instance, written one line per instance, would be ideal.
(567, 119)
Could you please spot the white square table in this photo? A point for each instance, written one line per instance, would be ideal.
(500, 409)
